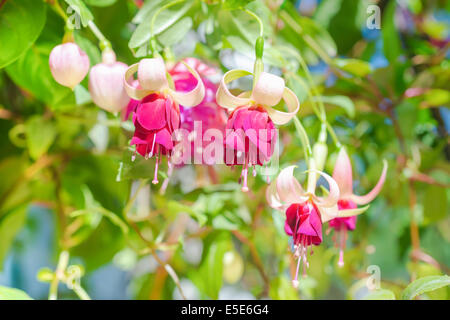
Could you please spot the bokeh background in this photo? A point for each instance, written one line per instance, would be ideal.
(386, 92)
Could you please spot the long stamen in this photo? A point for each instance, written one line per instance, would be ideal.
(155, 177)
(244, 184)
(295, 281)
(341, 247)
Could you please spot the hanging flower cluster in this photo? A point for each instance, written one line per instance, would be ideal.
(157, 115)
(251, 134)
(342, 174)
(306, 212)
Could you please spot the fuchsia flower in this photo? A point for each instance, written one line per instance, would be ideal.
(251, 135)
(68, 64)
(106, 83)
(342, 174)
(157, 114)
(305, 212)
(207, 112)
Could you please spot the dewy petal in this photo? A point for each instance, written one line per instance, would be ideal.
(268, 90)
(280, 117)
(288, 188)
(224, 97)
(352, 212)
(342, 174)
(333, 196)
(134, 92)
(152, 74)
(361, 200)
(193, 97)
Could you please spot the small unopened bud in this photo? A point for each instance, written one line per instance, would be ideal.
(68, 64)
(106, 83)
(320, 152)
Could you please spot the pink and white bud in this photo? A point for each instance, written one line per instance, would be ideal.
(106, 83)
(68, 64)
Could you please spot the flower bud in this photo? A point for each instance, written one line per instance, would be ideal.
(68, 64)
(106, 83)
(320, 151)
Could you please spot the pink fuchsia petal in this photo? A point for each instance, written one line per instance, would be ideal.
(288, 188)
(280, 117)
(68, 64)
(152, 74)
(202, 68)
(224, 97)
(164, 138)
(151, 112)
(347, 223)
(268, 90)
(133, 91)
(193, 97)
(361, 200)
(342, 174)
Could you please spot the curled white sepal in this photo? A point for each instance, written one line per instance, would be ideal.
(224, 97)
(133, 92)
(331, 199)
(152, 78)
(352, 212)
(268, 92)
(193, 97)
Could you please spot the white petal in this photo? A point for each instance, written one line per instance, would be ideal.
(152, 74)
(224, 97)
(193, 97)
(292, 104)
(268, 90)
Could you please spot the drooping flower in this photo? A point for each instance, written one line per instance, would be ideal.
(206, 115)
(251, 134)
(68, 64)
(106, 83)
(157, 114)
(343, 176)
(305, 211)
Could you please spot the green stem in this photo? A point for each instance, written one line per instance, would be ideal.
(59, 273)
(258, 19)
(103, 42)
(81, 293)
(303, 138)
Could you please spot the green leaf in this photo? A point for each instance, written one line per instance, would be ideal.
(423, 285)
(40, 135)
(10, 224)
(100, 3)
(176, 32)
(80, 8)
(177, 207)
(390, 36)
(355, 67)
(435, 204)
(436, 98)
(13, 294)
(209, 277)
(381, 294)
(164, 20)
(21, 22)
(341, 101)
(91, 50)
